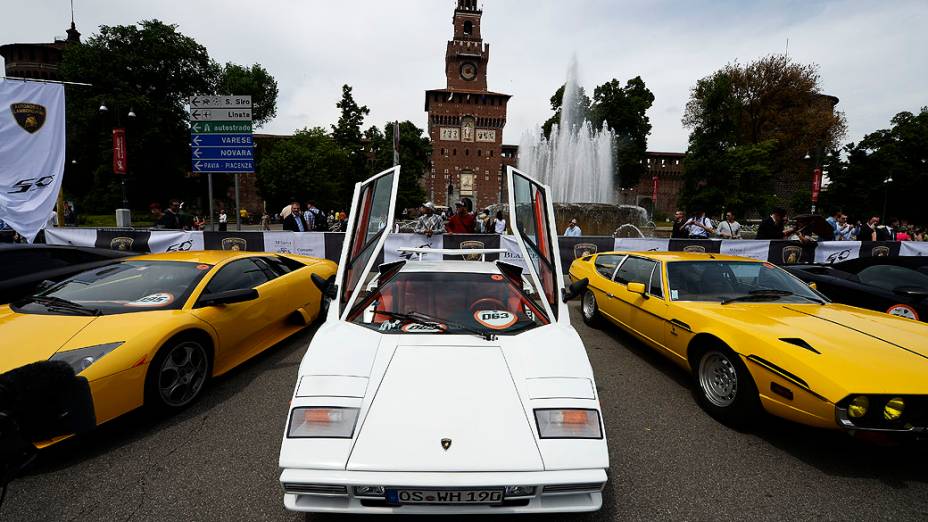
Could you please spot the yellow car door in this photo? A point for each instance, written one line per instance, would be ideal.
(644, 305)
(604, 287)
(239, 326)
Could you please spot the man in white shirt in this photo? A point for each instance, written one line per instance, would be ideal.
(699, 226)
(729, 229)
(572, 229)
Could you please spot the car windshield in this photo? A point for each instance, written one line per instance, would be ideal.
(890, 277)
(450, 302)
(721, 281)
(130, 286)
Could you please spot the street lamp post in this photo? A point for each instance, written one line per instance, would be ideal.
(886, 183)
(120, 163)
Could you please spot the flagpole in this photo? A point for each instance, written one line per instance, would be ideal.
(19, 78)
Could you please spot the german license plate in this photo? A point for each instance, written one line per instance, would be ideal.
(444, 496)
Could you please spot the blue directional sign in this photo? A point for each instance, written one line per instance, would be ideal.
(221, 140)
(224, 153)
(223, 165)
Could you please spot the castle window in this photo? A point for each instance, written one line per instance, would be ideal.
(479, 152)
(467, 152)
(454, 152)
(468, 27)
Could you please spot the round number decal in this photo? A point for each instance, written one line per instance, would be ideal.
(902, 310)
(424, 328)
(495, 319)
(153, 300)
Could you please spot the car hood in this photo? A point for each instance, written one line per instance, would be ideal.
(464, 394)
(859, 351)
(28, 338)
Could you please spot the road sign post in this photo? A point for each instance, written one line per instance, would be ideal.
(221, 140)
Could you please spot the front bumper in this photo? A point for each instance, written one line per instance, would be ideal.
(333, 491)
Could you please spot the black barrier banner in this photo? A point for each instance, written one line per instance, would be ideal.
(125, 240)
(461, 241)
(247, 241)
(879, 248)
(696, 246)
(791, 252)
(576, 247)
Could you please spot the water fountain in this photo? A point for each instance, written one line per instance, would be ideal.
(576, 161)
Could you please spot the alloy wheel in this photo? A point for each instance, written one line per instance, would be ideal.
(718, 379)
(182, 373)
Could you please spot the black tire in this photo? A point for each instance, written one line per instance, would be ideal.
(589, 310)
(188, 359)
(724, 388)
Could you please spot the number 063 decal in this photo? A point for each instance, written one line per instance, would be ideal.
(902, 310)
(495, 319)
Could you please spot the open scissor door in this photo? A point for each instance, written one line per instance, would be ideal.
(532, 218)
(370, 220)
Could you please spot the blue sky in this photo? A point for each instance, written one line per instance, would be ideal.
(872, 55)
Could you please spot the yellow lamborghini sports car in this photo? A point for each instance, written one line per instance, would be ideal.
(153, 329)
(752, 336)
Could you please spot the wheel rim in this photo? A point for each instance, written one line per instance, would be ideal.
(718, 379)
(182, 373)
(589, 305)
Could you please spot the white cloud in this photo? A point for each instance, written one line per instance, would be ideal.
(872, 55)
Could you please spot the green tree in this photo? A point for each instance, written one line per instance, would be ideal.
(308, 165)
(152, 69)
(348, 135)
(414, 157)
(770, 113)
(624, 110)
(859, 185)
(254, 81)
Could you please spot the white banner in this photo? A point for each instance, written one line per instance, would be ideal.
(86, 237)
(396, 241)
(304, 244)
(913, 248)
(635, 244)
(32, 143)
(830, 252)
(513, 255)
(175, 241)
(755, 248)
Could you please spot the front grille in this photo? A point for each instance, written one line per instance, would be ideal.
(315, 489)
(573, 488)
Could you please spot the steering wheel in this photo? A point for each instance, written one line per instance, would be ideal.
(496, 303)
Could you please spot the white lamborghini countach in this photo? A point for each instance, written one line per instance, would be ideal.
(445, 386)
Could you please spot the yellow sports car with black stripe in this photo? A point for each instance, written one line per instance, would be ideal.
(153, 329)
(753, 336)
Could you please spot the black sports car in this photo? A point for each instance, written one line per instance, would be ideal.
(895, 285)
(24, 268)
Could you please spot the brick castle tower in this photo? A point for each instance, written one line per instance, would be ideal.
(466, 121)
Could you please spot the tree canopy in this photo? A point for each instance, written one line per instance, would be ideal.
(150, 68)
(414, 157)
(751, 128)
(859, 185)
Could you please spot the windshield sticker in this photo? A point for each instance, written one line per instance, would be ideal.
(496, 277)
(903, 310)
(202, 267)
(769, 265)
(153, 300)
(424, 328)
(388, 325)
(674, 294)
(495, 319)
(528, 312)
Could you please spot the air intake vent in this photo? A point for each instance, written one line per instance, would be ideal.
(315, 489)
(800, 343)
(573, 488)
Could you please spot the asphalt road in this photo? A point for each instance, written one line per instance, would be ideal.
(218, 460)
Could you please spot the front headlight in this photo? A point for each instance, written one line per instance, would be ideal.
(893, 409)
(81, 358)
(858, 407)
(568, 424)
(322, 422)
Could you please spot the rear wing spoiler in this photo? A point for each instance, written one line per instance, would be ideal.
(482, 252)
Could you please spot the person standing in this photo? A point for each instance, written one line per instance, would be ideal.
(772, 226)
(169, 219)
(729, 228)
(265, 221)
(462, 222)
(572, 229)
(699, 226)
(679, 231)
(843, 230)
(499, 224)
(868, 230)
(295, 222)
(223, 220)
(429, 222)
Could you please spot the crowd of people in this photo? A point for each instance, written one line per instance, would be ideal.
(836, 227)
(462, 221)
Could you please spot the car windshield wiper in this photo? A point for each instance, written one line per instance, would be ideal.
(758, 295)
(63, 304)
(428, 320)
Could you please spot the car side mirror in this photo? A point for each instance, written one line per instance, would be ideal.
(44, 285)
(637, 288)
(228, 297)
(326, 286)
(575, 289)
